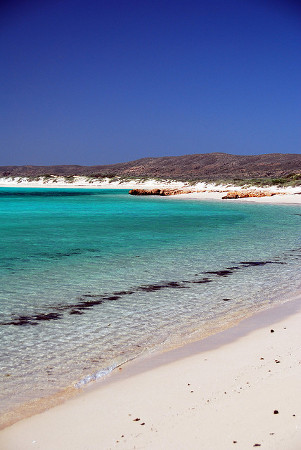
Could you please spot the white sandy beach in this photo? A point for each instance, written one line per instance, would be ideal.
(238, 389)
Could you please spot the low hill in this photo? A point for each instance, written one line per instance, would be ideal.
(206, 166)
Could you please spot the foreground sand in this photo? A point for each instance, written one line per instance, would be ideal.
(238, 389)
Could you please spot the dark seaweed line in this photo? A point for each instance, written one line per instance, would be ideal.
(45, 193)
(89, 301)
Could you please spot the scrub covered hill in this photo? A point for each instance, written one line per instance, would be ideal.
(206, 166)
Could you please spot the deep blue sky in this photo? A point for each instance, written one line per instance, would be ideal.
(97, 82)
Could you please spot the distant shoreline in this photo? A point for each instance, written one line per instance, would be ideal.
(196, 191)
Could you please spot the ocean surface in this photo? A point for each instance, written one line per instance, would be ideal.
(90, 279)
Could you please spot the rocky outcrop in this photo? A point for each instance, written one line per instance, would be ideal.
(246, 194)
(161, 192)
(229, 195)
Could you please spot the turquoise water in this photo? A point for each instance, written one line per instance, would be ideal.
(92, 278)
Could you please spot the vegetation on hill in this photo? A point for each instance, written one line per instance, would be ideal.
(261, 170)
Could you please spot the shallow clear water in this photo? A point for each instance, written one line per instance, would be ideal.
(92, 278)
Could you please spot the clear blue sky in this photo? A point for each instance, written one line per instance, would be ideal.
(98, 82)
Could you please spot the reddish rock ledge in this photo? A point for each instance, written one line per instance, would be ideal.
(162, 192)
(246, 194)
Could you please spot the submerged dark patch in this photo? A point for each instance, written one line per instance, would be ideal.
(174, 284)
(19, 321)
(150, 288)
(121, 293)
(201, 281)
(220, 273)
(158, 287)
(259, 263)
(49, 316)
(254, 263)
(86, 304)
(32, 320)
